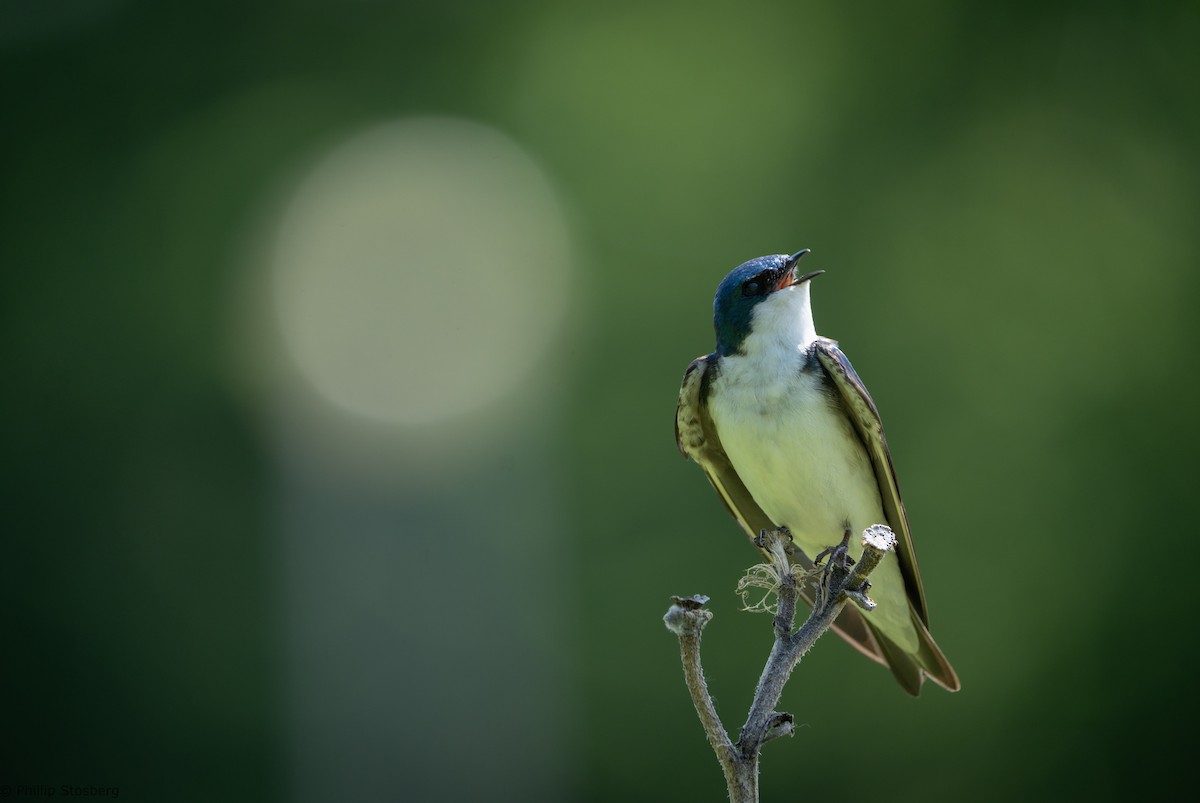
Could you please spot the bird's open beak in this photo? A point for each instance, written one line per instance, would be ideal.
(790, 276)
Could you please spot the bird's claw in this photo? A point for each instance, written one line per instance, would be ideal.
(835, 572)
(839, 551)
(762, 540)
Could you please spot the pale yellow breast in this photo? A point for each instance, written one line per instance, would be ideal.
(806, 467)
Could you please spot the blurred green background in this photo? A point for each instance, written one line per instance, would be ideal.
(342, 343)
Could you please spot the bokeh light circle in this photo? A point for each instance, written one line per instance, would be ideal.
(421, 270)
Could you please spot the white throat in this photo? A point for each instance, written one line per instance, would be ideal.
(782, 324)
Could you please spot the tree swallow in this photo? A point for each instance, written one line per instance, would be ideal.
(789, 437)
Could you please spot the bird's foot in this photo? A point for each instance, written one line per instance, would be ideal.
(834, 573)
(777, 546)
(763, 541)
(838, 552)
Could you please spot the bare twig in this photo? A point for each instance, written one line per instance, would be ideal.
(842, 580)
(686, 618)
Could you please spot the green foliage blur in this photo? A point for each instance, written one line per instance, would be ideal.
(1005, 197)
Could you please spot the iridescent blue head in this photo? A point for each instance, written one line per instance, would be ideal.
(747, 286)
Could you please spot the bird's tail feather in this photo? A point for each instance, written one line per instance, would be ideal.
(910, 669)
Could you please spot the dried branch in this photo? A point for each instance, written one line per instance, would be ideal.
(841, 581)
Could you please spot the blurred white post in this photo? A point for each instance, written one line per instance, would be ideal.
(418, 281)
(426, 650)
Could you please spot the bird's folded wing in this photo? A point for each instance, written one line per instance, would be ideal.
(865, 416)
(697, 439)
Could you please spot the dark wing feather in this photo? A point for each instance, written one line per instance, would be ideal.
(697, 439)
(865, 417)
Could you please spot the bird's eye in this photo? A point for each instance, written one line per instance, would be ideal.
(752, 287)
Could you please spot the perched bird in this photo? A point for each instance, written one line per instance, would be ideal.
(789, 437)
